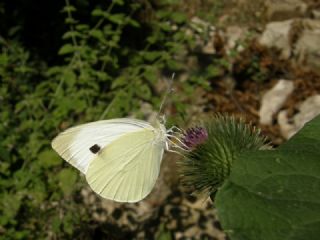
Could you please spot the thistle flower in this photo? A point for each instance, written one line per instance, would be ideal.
(195, 136)
(214, 146)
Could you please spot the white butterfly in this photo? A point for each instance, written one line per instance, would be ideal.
(120, 158)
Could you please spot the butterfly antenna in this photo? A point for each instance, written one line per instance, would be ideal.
(164, 99)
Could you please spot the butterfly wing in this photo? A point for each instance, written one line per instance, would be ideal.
(126, 170)
(74, 144)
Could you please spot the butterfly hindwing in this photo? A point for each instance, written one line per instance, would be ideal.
(126, 170)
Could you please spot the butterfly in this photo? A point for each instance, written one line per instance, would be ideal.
(120, 158)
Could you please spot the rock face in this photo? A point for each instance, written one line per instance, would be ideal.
(309, 109)
(307, 48)
(297, 39)
(277, 35)
(273, 100)
(285, 9)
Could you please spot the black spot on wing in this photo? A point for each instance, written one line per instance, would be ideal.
(95, 148)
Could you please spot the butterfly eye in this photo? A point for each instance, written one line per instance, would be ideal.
(95, 148)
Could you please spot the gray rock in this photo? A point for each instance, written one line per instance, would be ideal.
(297, 39)
(316, 13)
(307, 47)
(273, 100)
(276, 10)
(277, 35)
(309, 109)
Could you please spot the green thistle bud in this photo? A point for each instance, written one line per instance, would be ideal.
(214, 145)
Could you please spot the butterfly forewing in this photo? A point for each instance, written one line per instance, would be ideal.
(79, 145)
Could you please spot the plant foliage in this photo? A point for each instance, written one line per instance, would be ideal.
(108, 64)
(275, 194)
(206, 167)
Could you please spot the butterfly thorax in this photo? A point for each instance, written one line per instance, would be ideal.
(160, 133)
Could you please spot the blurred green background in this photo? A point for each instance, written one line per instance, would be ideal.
(68, 62)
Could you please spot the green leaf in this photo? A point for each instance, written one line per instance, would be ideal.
(162, 14)
(143, 91)
(98, 12)
(9, 204)
(118, 18)
(69, 77)
(56, 224)
(38, 193)
(118, 2)
(69, 8)
(70, 20)
(49, 158)
(133, 23)
(82, 27)
(152, 55)
(179, 17)
(4, 59)
(67, 178)
(98, 34)
(275, 194)
(163, 233)
(151, 74)
(165, 26)
(71, 34)
(4, 155)
(68, 223)
(66, 49)
(119, 82)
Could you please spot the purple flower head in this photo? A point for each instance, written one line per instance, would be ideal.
(195, 136)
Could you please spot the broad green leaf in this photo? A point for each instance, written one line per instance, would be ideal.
(275, 194)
